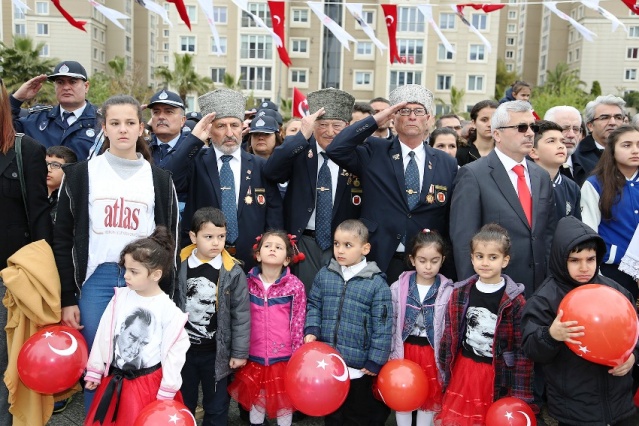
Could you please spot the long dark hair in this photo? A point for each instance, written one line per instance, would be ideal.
(154, 252)
(141, 145)
(611, 179)
(7, 133)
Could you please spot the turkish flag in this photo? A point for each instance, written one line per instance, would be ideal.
(390, 16)
(477, 6)
(632, 5)
(300, 104)
(181, 8)
(277, 18)
(70, 19)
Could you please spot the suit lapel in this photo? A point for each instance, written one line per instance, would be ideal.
(395, 154)
(210, 162)
(535, 189)
(311, 165)
(430, 164)
(246, 172)
(502, 180)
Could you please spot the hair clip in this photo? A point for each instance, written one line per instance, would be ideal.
(298, 256)
(425, 231)
(257, 241)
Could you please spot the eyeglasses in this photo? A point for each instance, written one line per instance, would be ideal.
(607, 117)
(575, 129)
(338, 125)
(417, 111)
(523, 127)
(453, 127)
(54, 165)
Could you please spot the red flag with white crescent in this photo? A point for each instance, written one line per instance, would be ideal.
(300, 104)
(181, 8)
(477, 6)
(70, 19)
(632, 5)
(390, 16)
(277, 18)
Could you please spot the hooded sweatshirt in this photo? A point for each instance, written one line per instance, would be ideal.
(579, 392)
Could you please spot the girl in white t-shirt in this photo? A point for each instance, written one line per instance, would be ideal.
(141, 343)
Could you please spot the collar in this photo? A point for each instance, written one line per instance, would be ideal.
(237, 154)
(634, 177)
(78, 112)
(508, 162)
(558, 179)
(194, 262)
(170, 143)
(355, 269)
(598, 145)
(419, 151)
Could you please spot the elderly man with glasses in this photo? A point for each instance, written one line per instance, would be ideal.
(407, 184)
(569, 119)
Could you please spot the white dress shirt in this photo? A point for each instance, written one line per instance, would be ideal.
(236, 167)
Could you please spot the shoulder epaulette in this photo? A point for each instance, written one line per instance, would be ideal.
(39, 108)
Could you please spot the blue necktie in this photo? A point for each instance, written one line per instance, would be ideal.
(164, 149)
(411, 180)
(229, 205)
(324, 205)
(65, 119)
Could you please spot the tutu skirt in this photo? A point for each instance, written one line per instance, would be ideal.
(262, 386)
(424, 356)
(136, 394)
(469, 394)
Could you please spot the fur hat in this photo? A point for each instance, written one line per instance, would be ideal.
(224, 102)
(413, 94)
(338, 104)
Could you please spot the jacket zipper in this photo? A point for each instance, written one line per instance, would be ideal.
(73, 249)
(339, 314)
(267, 357)
(500, 313)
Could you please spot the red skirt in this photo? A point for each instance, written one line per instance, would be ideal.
(136, 394)
(469, 394)
(424, 356)
(264, 387)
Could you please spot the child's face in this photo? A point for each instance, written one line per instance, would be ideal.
(123, 128)
(523, 94)
(582, 266)
(488, 261)
(551, 150)
(273, 252)
(139, 278)
(427, 262)
(348, 248)
(209, 240)
(55, 173)
(627, 152)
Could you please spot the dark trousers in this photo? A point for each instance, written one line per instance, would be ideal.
(623, 279)
(360, 407)
(630, 421)
(396, 266)
(316, 259)
(200, 368)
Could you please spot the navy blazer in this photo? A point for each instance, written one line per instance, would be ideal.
(259, 205)
(296, 161)
(385, 212)
(485, 194)
(587, 155)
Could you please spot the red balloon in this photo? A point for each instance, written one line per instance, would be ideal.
(510, 411)
(610, 323)
(168, 412)
(402, 384)
(53, 359)
(317, 379)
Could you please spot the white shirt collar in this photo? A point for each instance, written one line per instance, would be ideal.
(349, 272)
(171, 143)
(237, 154)
(419, 151)
(194, 261)
(598, 145)
(78, 112)
(508, 162)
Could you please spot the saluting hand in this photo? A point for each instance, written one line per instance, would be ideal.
(308, 123)
(202, 129)
(30, 89)
(566, 331)
(386, 114)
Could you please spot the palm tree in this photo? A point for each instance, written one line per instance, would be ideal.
(456, 100)
(230, 82)
(184, 78)
(563, 80)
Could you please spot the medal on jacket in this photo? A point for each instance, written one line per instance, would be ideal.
(248, 200)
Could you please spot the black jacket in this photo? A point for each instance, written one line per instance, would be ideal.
(587, 155)
(71, 231)
(467, 154)
(579, 391)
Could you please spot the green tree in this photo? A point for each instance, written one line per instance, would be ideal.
(503, 79)
(183, 78)
(632, 100)
(562, 87)
(595, 90)
(562, 80)
(118, 80)
(230, 82)
(21, 62)
(456, 101)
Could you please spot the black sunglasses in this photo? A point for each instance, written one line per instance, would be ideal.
(523, 127)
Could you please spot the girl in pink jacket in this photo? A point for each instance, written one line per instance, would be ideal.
(278, 309)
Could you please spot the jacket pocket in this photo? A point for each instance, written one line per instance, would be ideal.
(11, 182)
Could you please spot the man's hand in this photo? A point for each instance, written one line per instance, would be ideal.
(71, 317)
(30, 89)
(202, 129)
(237, 363)
(308, 123)
(566, 331)
(386, 114)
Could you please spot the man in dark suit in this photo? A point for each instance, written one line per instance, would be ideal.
(569, 118)
(228, 178)
(300, 161)
(408, 184)
(488, 190)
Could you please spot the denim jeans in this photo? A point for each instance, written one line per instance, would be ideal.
(96, 294)
(200, 367)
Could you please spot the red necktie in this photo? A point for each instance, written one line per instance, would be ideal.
(523, 192)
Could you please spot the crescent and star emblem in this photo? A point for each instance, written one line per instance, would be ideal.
(528, 422)
(278, 19)
(64, 352)
(389, 19)
(190, 415)
(344, 375)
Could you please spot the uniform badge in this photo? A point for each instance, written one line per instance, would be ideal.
(430, 198)
(356, 183)
(90, 133)
(264, 104)
(163, 95)
(259, 123)
(64, 68)
(441, 197)
(396, 157)
(310, 153)
(43, 125)
(261, 199)
(248, 200)
(356, 199)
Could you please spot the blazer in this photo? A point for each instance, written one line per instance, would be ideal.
(259, 206)
(587, 155)
(296, 161)
(484, 194)
(385, 212)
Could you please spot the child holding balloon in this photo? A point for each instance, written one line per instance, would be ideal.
(278, 309)
(579, 392)
(480, 351)
(420, 298)
(140, 346)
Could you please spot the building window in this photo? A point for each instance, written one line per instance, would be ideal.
(443, 54)
(18, 14)
(632, 53)
(299, 46)
(42, 8)
(411, 51)
(221, 48)
(509, 68)
(127, 43)
(368, 16)
(255, 78)
(401, 78)
(364, 49)
(630, 74)
(95, 53)
(444, 82)
(256, 47)
(187, 44)
(510, 41)
(299, 16)
(299, 76)
(512, 14)
(569, 57)
(511, 28)
(219, 14)
(442, 109)
(102, 56)
(542, 63)
(217, 75)
(20, 29)
(258, 9)
(166, 33)
(447, 21)
(166, 46)
(633, 32)
(45, 50)
(510, 54)
(577, 52)
(409, 19)
(477, 52)
(191, 10)
(479, 21)
(544, 43)
(475, 83)
(363, 79)
(42, 29)
(166, 59)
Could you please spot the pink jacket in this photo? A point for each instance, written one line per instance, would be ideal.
(277, 317)
(399, 291)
